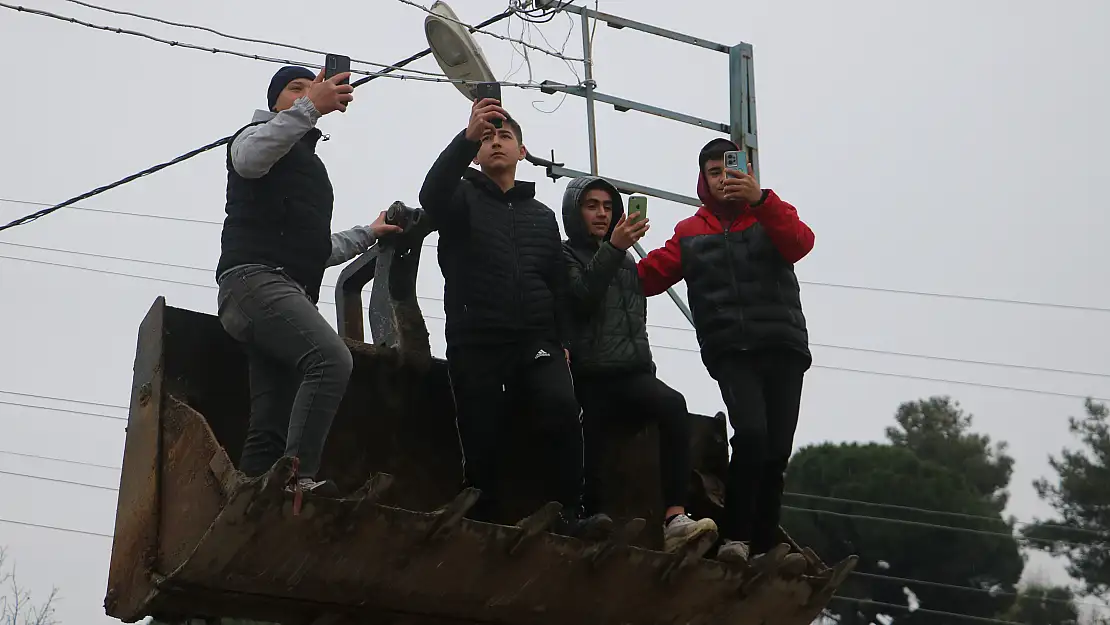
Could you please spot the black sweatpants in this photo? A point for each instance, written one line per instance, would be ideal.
(762, 391)
(638, 399)
(493, 384)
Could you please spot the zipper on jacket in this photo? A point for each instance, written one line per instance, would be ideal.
(732, 274)
(518, 296)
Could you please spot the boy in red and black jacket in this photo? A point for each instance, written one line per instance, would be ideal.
(737, 255)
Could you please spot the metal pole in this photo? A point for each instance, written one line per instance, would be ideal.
(589, 84)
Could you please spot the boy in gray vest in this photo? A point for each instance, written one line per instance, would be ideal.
(737, 255)
(276, 243)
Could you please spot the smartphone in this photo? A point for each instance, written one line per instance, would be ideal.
(337, 64)
(637, 204)
(736, 160)
(491, 90)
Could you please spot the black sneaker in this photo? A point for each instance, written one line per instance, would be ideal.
(592, 528)
(323, 488)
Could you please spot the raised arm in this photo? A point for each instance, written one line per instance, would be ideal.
(587, 285)
(662, 267)
(257, 148)
(437, 195)
(792, 237)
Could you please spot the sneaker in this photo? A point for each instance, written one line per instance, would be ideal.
(733, 552)
(593, 528)
(682, 529)
(323, 488)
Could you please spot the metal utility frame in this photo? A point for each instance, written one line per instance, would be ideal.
(741, 126)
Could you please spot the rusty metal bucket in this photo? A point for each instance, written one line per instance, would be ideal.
(195, 538)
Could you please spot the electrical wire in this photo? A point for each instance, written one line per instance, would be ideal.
(7, 452)
(61, 410)
(904, 376)
(993, 593)
(961, 515)
(981, 619)
(58, 481)
(649, 325)
(53, 527)
(72, 401)
(484, 32)
(277, 44)
(923, 524)
(831, 285)
(368, 76)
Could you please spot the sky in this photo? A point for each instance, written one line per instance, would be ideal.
(945, 147)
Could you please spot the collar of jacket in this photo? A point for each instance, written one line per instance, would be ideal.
(521, 190)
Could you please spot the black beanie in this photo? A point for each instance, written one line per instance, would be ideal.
(282, 78)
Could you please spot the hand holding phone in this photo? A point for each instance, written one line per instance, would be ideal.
(637, 208)
(629, 230)
(491, 90)
(335, 64)
(735, 160)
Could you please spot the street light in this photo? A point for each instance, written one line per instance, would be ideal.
(455, 50)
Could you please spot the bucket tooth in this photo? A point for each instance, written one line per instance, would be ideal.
(269, 487)
(814, 561)
(535, 524)
(690, 553)
(838, 574)
(371, 492)
(762, 568)
(451, 515)
(621, 538)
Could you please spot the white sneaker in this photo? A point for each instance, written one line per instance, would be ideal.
(324, 488)
(682, 529)
(734, 551)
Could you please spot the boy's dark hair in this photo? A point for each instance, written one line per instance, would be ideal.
(516, 130)
(714, 151)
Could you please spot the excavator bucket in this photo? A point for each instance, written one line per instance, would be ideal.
(196, 539)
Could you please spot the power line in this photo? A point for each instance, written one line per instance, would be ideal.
(62, 410)
(962, 515)
(368, 77)
(491, 34)
(904, 376)
(831, 285)
(882, 604)
(246, 55)
(922, 524)
(277, 44)
(649, 325)
(7, 452)
(993, 593)
(53, 527)
(56, 480)
(72, 401)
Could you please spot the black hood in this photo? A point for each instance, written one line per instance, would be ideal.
(575, 226)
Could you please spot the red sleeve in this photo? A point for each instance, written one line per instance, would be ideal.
(791, 235)
(662, 267)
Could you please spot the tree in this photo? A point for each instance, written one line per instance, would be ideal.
(937, 429)
(1081, 497)
(933, 462)
(1043, 604)
(16, 607)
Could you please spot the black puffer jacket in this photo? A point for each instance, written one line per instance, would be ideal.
(500, 254)
(609, 320)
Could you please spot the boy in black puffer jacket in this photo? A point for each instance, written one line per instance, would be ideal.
(610, 356)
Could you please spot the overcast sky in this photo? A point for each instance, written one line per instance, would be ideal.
(949, 147)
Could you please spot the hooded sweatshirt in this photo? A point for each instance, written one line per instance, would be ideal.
(738, 263)
(608, 329)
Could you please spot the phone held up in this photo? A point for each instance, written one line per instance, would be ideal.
(735, 160)
(491, 90)
(337, 64)
(637, 204)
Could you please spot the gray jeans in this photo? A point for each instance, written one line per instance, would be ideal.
(299, 367)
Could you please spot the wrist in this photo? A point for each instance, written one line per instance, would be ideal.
(304, 104)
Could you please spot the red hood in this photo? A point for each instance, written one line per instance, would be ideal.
(711, 206)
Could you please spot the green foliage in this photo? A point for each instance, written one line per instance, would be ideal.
(1081, 497)
(933, 462)
(1039, 604)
